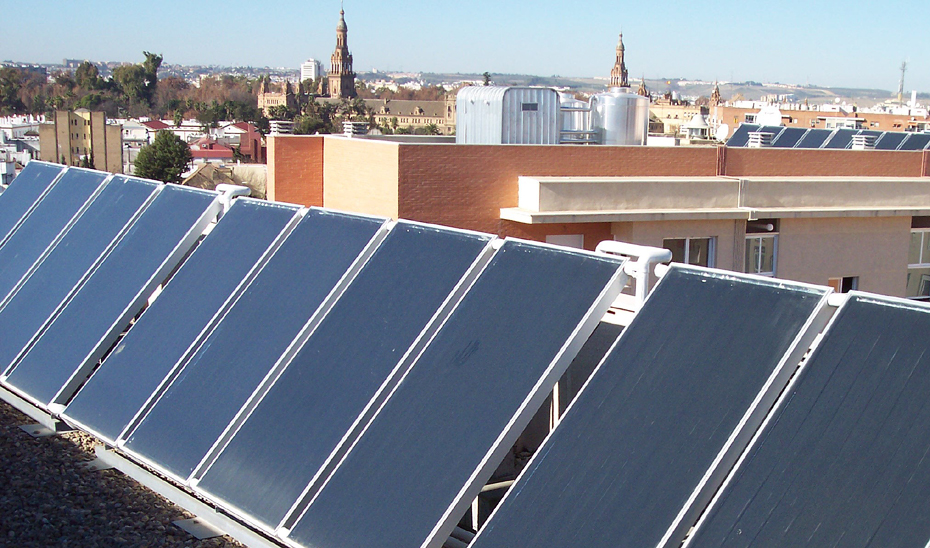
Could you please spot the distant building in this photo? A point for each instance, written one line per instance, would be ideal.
(415, 114)
(73, 136)
(618, 74)
(268, 98)
(341, 76)
(311, 69)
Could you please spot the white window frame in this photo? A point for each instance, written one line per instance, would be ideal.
(923, 262)
(758, 268)
(711, 249)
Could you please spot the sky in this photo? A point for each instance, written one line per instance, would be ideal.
(852, 43)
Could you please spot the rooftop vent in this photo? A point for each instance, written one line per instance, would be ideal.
(759, 139)
(863, 142)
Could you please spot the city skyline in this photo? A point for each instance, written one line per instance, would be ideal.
(849, 44)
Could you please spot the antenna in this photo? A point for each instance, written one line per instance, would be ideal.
(901, 83)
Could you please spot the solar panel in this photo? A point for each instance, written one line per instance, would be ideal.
(216, 381)
(740, 136)
(23, 193)
(789, 137)
(890, 140)
(916, 141)
(651, 434)
(815, 138)
(109, 400)
(843, 460)
(774, 130)
(40, 229)
(427, 452)
(62, 357)
(338, 370)
(841, 139)
(49, 286)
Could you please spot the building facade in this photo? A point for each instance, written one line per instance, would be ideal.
(75, 137)
(311, 69)
(854, 219)
(283, 96)
(341, 76)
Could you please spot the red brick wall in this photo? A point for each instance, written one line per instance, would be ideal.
(756, 162)
(467, 185)
(295, 169)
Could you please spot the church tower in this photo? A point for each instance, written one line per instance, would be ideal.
(618, 74)
(341, 77)
(715, 95)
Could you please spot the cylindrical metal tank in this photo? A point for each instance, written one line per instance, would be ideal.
(620, 118)
(574, 112)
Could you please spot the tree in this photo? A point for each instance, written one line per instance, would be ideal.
(87, 76)
(165, 159)
(487, 78)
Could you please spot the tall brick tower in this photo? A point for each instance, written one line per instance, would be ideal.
(618, 75)
(341, 77)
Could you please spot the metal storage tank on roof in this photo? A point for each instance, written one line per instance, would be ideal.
(620, 118)
(494, 115)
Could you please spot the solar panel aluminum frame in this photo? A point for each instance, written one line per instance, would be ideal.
(158, 187)
(87, 364)
(57, 238)
(315, 318)
(741, 437)
(5, 237)
(434, 324)
(837, 302)
(198, 340)
(511, 431)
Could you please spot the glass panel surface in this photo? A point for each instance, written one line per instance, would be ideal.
(74, 338)
(752, 256)
(925, 249)
(448, 412)
(215, 383)
(913, 255)
(326, 386)
(23, 193)
(741, 135)
(841, 139)
(677, 247)
(52, 282)
(890, 140)
(789, 137)
(918, 283)
(844, 461)
(651, 421)
(815, 138)
(916, 141)
(159, 338)
(44, 224)
(700, 251)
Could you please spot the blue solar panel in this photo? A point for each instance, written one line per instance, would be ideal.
(338, 370)
(843, 460)
(109, 400)
(50, 285)
(774, 130)
(815, 138)
(211, 387)
(842, 138)
(641, 441)
(447, 425)
(789, 137)
(916, 141)
(44, 225)
(740, 136)
(73, 343)
(23, 193)
(890, 140)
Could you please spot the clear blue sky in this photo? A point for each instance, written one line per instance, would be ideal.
(851, 43)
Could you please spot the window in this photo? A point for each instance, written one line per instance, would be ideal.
(844, 285)
(918, 267)
(749, 118)
(530, 107)
(761, 251)
(696, 251)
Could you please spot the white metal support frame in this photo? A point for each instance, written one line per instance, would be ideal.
(638, 267)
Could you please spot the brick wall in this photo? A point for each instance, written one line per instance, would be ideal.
(467, 185)
(295, 169)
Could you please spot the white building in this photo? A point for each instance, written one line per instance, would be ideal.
(311, 69)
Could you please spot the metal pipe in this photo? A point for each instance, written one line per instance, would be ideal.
(496, 486)
(638, 269)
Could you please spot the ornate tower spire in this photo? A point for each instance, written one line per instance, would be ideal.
(341, 76)
(715, 95)
(618, 74)
(642, 88)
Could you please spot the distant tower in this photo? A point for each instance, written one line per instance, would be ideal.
(642, 88)
(715, 95)
(618, 75)
(341, 77)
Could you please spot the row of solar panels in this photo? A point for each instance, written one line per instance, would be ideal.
(338, 380)
(796, 137)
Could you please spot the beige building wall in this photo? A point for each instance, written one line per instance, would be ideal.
(875, 249)
(361, 175)
(730, 236)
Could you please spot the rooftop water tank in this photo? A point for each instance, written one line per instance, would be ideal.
(620, 118)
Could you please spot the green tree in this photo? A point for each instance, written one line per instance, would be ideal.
(487, 78)
(165, 159)
(87, 76)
